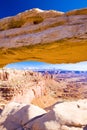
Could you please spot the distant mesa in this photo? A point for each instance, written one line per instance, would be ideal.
(37, 66)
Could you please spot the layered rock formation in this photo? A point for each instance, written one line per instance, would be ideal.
(39, 27)
(17, 35)
(44, 90)
(21, 86)
(63, 116)
(26, 32)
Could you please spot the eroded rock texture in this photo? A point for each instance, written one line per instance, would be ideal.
(21, 86)
(38, 27)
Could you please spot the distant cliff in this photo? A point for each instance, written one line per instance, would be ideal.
(21, 85)
(25, 86)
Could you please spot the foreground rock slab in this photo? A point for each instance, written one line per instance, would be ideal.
(63, 116)
(16, 115)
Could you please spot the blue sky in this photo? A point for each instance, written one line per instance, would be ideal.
(81, 66)
(12, 7)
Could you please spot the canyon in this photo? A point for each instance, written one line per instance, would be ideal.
(55, 100)
(43, 100)
(25, 86)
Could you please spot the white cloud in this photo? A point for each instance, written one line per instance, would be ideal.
(41, 65)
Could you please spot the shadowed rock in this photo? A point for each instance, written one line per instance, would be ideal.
(63, 116)
(15, 116)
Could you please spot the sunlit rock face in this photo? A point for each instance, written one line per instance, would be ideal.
(52, 28)
(63, 116)
(41, 88)
(38, 27)
(20, 85)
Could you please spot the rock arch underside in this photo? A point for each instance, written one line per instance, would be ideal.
(48, 36)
